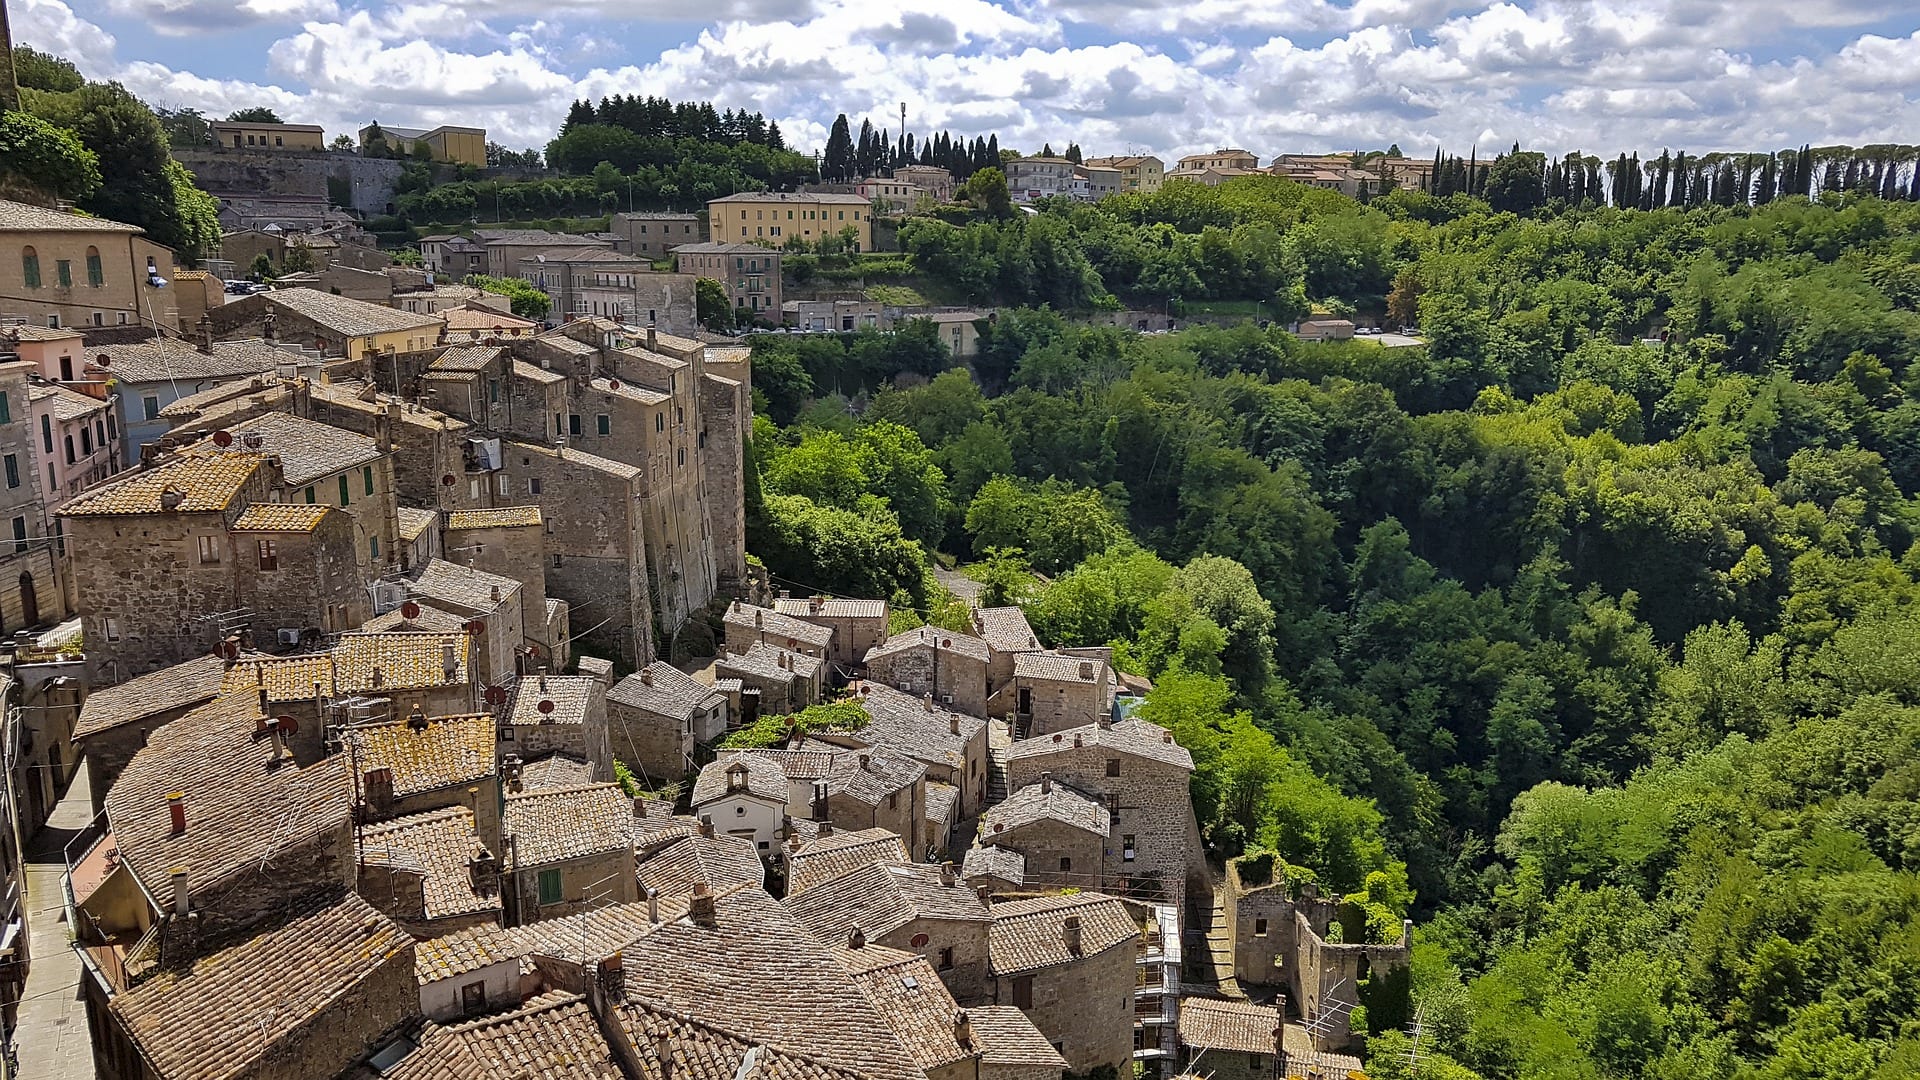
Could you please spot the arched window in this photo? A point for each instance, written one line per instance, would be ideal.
(30, 266)
(96, 277)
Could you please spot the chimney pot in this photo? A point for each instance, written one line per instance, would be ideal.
(946, 873)
(417, 719)
(182, 902)
(653, 905)
(866, 762)
(646, 676)
(963, 1029)
(177, 809)
(639, 806)
(496, 594)
(953, 724)
(449, 658)
(706, 827)
(1046, 782)
(856, 939)
(702, 910)
(1072, 930)
(1086, 670)
(926, 701)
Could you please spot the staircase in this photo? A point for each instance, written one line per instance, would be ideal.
(1209, 970)
(999, 739)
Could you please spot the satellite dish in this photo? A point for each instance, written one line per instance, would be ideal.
(476, 627)
(410, 610)
(447, 480)
(613, 384)
(545, 706)
(223, 439)
(496, 695)
(288, 725)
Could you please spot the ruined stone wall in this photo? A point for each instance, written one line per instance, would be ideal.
(1260, 923)
(372, 181)
(726, 417)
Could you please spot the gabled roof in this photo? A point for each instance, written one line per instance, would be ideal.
(25, 217)
(281, 517)
(769, 662)
(446, 751)
(943, 800)
(467, 357)
(556, 770)
(663, 690)
(439, 845)
(1048, 801)
(194, 682)
(672, 1045)
(499, 517)
(414, 522)
(838, 852)
(241, 807)
(1135, 737)
(569, 823)
(930, 638)
(163, 359)
(752, 621)
(460, 585)
(63, 403)
(571, 698)
(308, 449)
(717, 861)
(1240, 1026)
(1056, 667)
(831, 608)
(346, 316)
(206, 482)
(402, 661)
(879, 898)
(907, 993)
(551, 1037)
(915, 726)
(764, 778)
(1028, 935)
(1005, 629)
(219, 1017)
(1012, 1040)
(585, 935)
(993, 861)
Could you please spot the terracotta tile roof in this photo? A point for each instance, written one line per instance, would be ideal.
(498, 518)
(208, 482)
(1058, 803)
(761, 975)
(804, 763)
(831, 608)
(25, 217)
(879, 898)
(403, 661)
(556, 770)
(904, 989)
(461, 586)
(414, 522)
(553, 1037)
(1135, 737)
(62, 403)
(1028, 935)
(568, 823)
(431, 620)
(1211, 1024)
(718, 860)
(219, 394)
(930, 638)
(1054, 667)
(241, 809)
(194, 682)
(538, 374)
(466, 357)
(1004, 864)
(764, 778)
(872, 781)
(28, 332)
(346, 316)
(1012, 1039)
(308, 449)
(221, 1016)
(942, 802)
(767, 662)
(286, 678)
(281, 517)
(461, 320)
(448, 751)
(439, 845)
(673, 1046)
(628, 389)
(904, 723)
(836, 853)
(572, 696)
(663, 690)
(166, 359)
(778, 628)
(597, 932)
(1005, 629)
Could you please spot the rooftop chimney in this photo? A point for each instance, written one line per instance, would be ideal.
(203, 338)
(983, 892)
(926, 701)
(856, 939)
(449, 659)
(639, 806)
(946, 873)
(496, 594)
(653, 905)
(652, 340)
(646, 676)
(266, 328)
(1072, 929)
(1046, 782)
(963, 1029)
(953, 724)
(866, 762)
(1086, 670)
(702, 910)
(376, 785)
(510, 765)
(613, 974)
(263, 701)
(379, 677)
(177, 809)
(181, 902)
(417, 719)
(171, 498)
(706, 827)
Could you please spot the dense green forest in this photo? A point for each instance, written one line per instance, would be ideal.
(1584, 633)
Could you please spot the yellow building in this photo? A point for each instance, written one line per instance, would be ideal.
(1143, 173)
(771, 218)
(59, 269)
(234, 135)
(453, 145)
(327, 324)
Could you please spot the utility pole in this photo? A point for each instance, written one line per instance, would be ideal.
(9, 88)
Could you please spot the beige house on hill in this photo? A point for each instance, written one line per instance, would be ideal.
(774, 217)
(1141, 173)
(59, 269)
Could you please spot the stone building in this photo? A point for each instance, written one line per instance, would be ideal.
(744, 794)
(1016, 1050)
(1153, 842)
(491, 609)
(904, 989)
(750, 274)
(657, 716)
(787, 682)
(567, 850)
(66, 269)
(600, 283)
(705, 857)
(430, 872)
(928, 660)
(924, 909)
(952, 745)
(1007, 634)
(151, 376)
(858, 625)
(324, 465)
(1236, 1040)
(333, 326)
(421, 763)
(747, 625)
(995, 869)
(1060, 833)
(1067, 962)
(115, 721)
(165, 557)
(857, 789)
(652, 234)
(566, 713)
(832, 853)
(31, 591)
(1054, 691)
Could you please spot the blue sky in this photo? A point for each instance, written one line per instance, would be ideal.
(1117, 76)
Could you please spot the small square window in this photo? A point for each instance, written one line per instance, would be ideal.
(556, 562)
(1113, 766)
(1259, 928)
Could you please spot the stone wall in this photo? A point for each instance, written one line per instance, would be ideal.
(1260, 925)
(1084, 1008)
(589, 883)
(317, 580)
(956, 680)
(1057, 705)
(965, 969)
(372, 181)
(651, 744)
(726, 416)
(1057, 854)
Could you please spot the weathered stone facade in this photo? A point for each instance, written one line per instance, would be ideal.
(952, 667)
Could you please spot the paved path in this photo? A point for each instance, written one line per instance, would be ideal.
(51, 1035)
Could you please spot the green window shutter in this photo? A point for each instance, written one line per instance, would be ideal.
(549, 886)
(309, 495)
(30, 270)
(343, 489)
(95, 277)
(366, 473)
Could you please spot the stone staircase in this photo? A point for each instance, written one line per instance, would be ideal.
(999, 739)
(1209, 955)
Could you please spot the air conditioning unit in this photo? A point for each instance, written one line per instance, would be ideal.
(289, 635)
(946, 699)
(388, 595)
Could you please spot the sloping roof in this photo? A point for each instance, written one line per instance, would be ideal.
(769, 662)
(501, 517)
(241, 809)
(907, 993)
(439, 846)
(1055, 667)
(831, 608)
(930, 637)
(556, 770)
(446, 751)
(663, 690)
(1012, 1039)
(346, 316)
(879, 898)
(220, 1016)
(285, 678)
(464, 319)
(164, 359)
(62, 403)
(194, 682)
(552, 1037)
(993, 861)
(466, 357)
(403, 661)
(25, 217)
(873, 775)
(281, 517)
(571, 697)
(1136, 737)
(764, 778)
(414, 522)
(1212, 1024)
(431, 619)
(536, 373)
(942, 802)
(1005, 629)
(915, 726)
(308, 449)
(460, 585)
(207, 482)
(1051, 801)
(838, 852)
(581, 936)
(673, 1046)
(1027, 935)
(569, 823)
(752, 621)
(717, 861)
